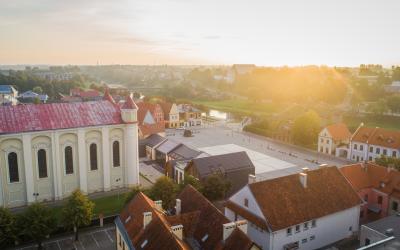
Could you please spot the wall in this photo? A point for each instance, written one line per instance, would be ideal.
(372, 235)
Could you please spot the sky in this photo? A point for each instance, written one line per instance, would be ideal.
(263, 32)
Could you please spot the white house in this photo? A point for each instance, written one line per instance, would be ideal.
(30, 95)
(300, 211)
(49, 150)
(332, 137)
(8, 95)
(369, 143)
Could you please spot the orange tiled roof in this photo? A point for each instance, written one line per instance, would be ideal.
(285, 202)
(339, 131)
(370, 175)
(378, 136)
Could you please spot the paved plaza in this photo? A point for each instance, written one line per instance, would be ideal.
(296, 157)
(92, 239)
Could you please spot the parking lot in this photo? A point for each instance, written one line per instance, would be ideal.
(99, 239)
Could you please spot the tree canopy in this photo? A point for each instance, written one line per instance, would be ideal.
(215, 187)
(306, 128)
(8, 227)
(164, 189)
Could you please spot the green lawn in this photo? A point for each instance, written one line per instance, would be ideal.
(242, 107)
(388, 122)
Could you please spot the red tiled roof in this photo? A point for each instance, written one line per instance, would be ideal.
(285, 202)
(378, 136)
(107, 96)
(129, 103)
(150, 129)
(84, 93)
(339, 131)
(166, 107)
(39, 117)
(370, 175)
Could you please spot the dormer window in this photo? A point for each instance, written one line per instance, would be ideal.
(289, 231)
(246, 202)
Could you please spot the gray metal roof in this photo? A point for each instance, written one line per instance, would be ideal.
(154, 140)
(222, 163)
(7, 89)
(390, 222)
(167, 146)
(183, 152)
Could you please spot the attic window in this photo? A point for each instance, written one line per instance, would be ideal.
(246, 202)
(144, 244)
(204, 238)
(127, 219)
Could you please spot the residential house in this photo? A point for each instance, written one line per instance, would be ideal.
(381, 234)
(164, 148)
(366, 144)
(233, 167)
(150, 144)
(171, 114)
(308, 210)
(332, 137)
(50, 150)
(8, 95)
(30, 96)
(194, 223)
(85, 94)
(378, 186)
(189, 116)
(150, 119)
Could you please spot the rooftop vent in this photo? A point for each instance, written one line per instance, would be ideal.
(252, 179)
(147, 217)
(389, 231)
(178, 231)
(158, 205)
(303, 179)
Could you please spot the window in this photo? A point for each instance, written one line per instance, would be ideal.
(350, 229)
(306, 226)
(297, 228)
(394, 154)
(327, 150)
(395, 205)
(370, 158)
(304, 240)
(312, 237)
(379, 199)
(361, 147)
(42, 163)
(371, 149)
(69, 160)
(358, 158)
(93, 156)
(377, 150)
(289, 231)
(246, 202)
(313, 223)
(355, 146)
(384, 152)
(321, 149)
(116, 156)
(13, 167)
(120, 241)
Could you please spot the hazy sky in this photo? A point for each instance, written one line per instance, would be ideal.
(264, 32)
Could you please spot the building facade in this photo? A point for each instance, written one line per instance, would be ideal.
(332, 137)
(50, 150)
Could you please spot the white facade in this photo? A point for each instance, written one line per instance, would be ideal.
(360, 151)
(311, 234)
(66, 162)
(325, 142)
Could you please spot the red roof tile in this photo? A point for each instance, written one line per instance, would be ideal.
(129, 103)
(339, 131)
(378, 136)
(39, 117)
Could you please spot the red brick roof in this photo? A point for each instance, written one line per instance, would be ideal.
(39, 117)
(284, 202)
(370, 175)
(129, 103)
(84, 93)
(166, 107)
(377, 136)
(339, 131)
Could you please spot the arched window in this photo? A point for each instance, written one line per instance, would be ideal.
(42, 163)
(93, 156)
(13, 167)
(116, 156)
(69, 160)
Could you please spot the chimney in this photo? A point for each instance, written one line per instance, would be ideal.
(158, 205)
(147, 216)
(178, 208)
(178, 231)
(305, 169)
(252, 179)
(303, 179)
(228, 229)
(242, 225)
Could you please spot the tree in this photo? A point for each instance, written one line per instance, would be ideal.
(132, 193)
(164, 189)
(306, 128)
(77, 212)
(378, 108)
(37, 223)
(388, 161)
(37, 90)
(215, 187)
(393, 102)
(8, 232)
(189, 179)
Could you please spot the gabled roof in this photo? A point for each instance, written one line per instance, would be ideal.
(7, 89)
(39, 117)
(222, 163)
(154, 140)
(167, 146)
(88, 93)
(370, 175)
(166, 108)
(378, 136)
(183, 152)
(129, 103)
(284, 201)
(339, 131)
(150, 129)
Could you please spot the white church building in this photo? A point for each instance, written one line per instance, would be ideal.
(49, 150)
